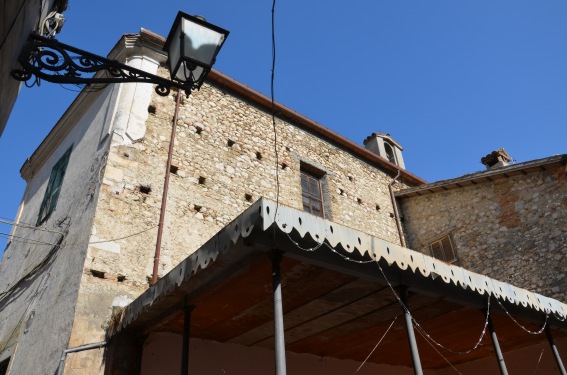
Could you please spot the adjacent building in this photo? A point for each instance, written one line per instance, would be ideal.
(20, 19)
(253, 187)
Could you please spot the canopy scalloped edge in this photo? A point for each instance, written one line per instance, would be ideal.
(264, 213)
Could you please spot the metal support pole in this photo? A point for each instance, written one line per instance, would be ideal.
(496, 346)
(417, 370)
(555, 351)
(187, 309)
(279, 341)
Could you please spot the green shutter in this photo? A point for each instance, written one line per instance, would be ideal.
(53, 187)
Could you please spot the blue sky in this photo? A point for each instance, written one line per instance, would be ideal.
(450, 80)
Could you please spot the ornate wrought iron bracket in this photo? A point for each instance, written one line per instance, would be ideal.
(52, 61)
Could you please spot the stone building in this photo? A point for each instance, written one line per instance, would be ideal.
(19, 20)
(507, 222)
(84, 245)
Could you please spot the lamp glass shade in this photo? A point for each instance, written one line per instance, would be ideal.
(193, 45)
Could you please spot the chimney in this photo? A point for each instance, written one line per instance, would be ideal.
(386, 147)
(495, 159)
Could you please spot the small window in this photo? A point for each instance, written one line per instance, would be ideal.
(311, 193)
(53, 188)
(442, 249)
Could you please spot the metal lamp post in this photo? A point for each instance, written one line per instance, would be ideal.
(193, 45)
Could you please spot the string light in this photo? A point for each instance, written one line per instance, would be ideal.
(440, 354)
(520, 325)
(416, 324)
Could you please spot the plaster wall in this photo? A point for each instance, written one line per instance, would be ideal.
(18, 20)
(162, 355)
(42, 266)
(537, 359)
(511, 229)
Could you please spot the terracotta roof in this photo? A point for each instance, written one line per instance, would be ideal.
(155, 42)
(485, 176)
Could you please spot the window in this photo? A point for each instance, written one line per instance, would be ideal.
(311, 192)
(53, 187)
(442, 249)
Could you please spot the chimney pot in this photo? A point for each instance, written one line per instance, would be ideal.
(495, 159)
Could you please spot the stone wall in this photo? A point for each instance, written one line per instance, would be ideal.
(224, 160)
(512, 229)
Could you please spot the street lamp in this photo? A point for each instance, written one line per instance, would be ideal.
(192, 46)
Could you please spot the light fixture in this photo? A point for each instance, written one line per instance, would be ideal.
(192, 45)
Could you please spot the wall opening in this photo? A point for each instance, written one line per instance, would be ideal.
(145, 189)
(99, 274)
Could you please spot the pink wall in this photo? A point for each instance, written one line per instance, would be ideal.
(162, 356)
(524, 361)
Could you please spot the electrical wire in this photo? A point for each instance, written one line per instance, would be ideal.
(440, 354)
(539, 361)
(418, 327)
(28, 226)
(128, 236)
(7, 293)
(24, 240)
(520, 325)
(404, 307)
(272, 79)
(379, 341)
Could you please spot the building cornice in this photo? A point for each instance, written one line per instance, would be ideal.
(57, 134)
(150, 44)
(487, 176)
(282, 111)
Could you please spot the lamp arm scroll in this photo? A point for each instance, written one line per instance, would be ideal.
(52, 61)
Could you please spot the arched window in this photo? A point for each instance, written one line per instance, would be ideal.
(390, 154)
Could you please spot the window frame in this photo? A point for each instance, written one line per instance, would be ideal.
(53, 189)
(317, 176)
(442, 241)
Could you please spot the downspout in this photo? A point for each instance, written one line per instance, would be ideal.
(74, 350)
(395, 206)
(165, 191)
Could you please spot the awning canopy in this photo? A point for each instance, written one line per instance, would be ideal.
(339, 294)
